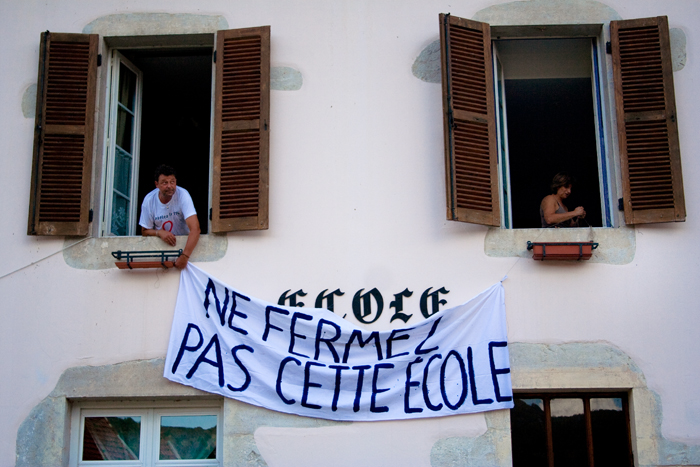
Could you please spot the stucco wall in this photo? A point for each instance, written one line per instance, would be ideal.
(356, 201)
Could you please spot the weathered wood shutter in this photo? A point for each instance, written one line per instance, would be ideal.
(241, 130)
(63, 136)
(650, 156)
(469, 123)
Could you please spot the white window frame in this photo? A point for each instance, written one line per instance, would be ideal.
(602, 133)
(150, 413)
(112, 93)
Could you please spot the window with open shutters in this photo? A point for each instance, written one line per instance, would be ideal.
(495, 158)
(234, 196)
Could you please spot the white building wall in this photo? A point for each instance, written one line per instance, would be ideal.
(356, 201)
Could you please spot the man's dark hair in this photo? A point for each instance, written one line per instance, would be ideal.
(561, 179)
(163, 169)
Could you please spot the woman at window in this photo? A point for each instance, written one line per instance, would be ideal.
(553, 211)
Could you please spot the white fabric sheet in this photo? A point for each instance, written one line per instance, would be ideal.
(311, 362)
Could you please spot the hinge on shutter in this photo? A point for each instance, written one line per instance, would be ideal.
(620, 205)
(210, 210)
(90, 216)
(215, 56)
(99, 59)
(608, 48)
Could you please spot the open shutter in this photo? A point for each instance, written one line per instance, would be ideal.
(650, 156)
(469, 123)
(241, 130)
(63, 136)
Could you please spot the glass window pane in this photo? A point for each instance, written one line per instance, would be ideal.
(569, 433)
(188, 437)
(120, 216)
(125, 127)
(528, 434)
(127, 87)
(111, 438)
(122, 172)
(610, 437)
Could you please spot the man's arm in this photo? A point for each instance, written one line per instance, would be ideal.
(192, 239)
(164, 235)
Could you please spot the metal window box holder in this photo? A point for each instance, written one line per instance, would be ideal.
(159, 258)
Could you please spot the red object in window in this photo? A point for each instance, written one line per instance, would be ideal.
(562, 251)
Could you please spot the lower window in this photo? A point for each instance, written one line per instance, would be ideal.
(571, 429)
(146, 436)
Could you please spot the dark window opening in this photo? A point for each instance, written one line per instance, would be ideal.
(586, 430)
(551, 128)
(175, 123)
(550, 125)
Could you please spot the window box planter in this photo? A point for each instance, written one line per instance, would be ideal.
(154, 259)
(562, 251)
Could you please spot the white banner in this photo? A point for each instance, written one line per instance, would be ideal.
(311, 362)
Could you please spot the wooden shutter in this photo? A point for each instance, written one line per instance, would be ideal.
(468, 120)
(63, 136)
(241, 130)
(646, 119)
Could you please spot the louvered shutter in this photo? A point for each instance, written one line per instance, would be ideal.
(650, 156)
(241, 130)
(63, 136)
(468, 120)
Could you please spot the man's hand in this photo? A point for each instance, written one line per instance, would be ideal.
(181, 262)
(167, 237)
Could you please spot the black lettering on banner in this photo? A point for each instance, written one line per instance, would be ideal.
(419, 350)
(184, 347)
(375, 390)
(269, 326)
(308, 384)
(278, 387)
(498, 371)
(328, 298)
(336, 392)
(426, 397)
(328, 340)
(362, 305)
(472, 381)
(397, 305)
(409, 384)
(219, 364)
(292, 334)
(292, 298)
(392, 337)
(360, 378)
(246, 383)
(357, 334)
(235, 294)
(462, 371)
(211, 288)
(435, 301)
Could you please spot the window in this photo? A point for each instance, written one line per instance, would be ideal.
(145, 436)
(149, 120)
(176, 130)
(498, 137)
(571, 429)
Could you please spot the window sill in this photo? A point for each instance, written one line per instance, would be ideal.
(617, 245)
(96, 253)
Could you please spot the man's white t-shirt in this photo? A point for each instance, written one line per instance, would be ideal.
(170, 216)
